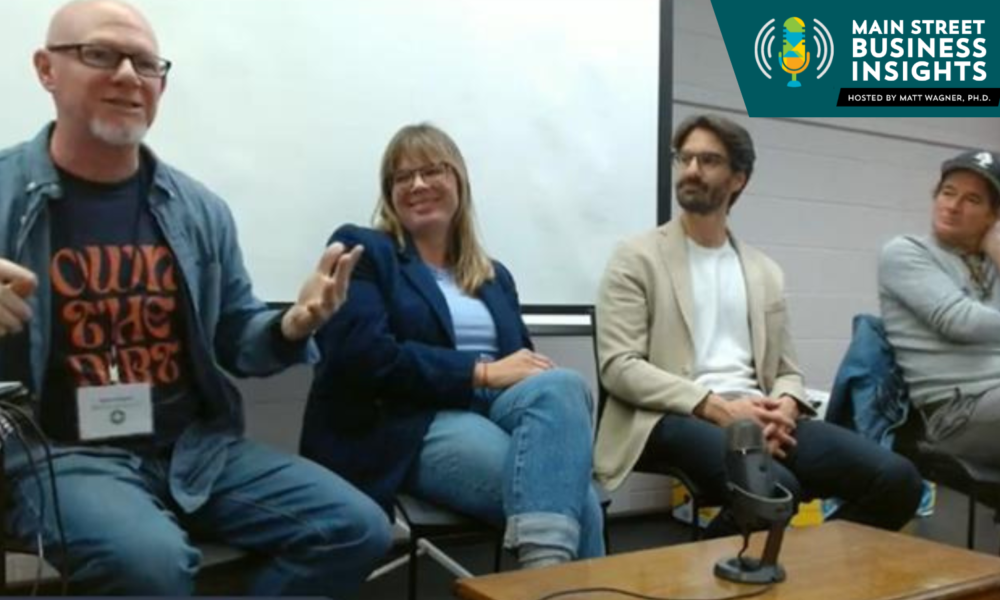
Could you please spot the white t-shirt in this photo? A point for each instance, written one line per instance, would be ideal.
(723, 354)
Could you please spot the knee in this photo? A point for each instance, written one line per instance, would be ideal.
(566, 391)
(355, 531)
(900, 481)
(373, 531)
(142, 563)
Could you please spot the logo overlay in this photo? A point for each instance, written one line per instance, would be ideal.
(848, 58)
(794, 57)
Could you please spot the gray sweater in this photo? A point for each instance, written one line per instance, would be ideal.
(945, 336)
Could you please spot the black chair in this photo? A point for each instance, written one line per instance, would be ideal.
(695, 494)
(427, 522)
(950, 472)
(870, 382)
(552, 325)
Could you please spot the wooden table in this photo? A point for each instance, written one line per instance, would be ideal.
(834, 561)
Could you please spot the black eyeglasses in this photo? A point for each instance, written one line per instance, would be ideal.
(706, 160)
(109, 59)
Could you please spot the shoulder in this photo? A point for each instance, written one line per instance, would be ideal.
(503, 274)
(904, 251)
(642, 248)
(381, 254)
(195, 195)
(9, 156)
(13, 173)
(374, 240)
(906, 245)
(647, 242)
(638, 260)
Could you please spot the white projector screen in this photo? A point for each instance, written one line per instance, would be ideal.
(283, 107)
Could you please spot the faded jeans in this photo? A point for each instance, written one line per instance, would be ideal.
(521, 457)
(125, 535)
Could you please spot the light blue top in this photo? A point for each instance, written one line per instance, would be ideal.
(475, 330)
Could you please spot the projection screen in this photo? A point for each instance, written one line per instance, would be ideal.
(283, 107)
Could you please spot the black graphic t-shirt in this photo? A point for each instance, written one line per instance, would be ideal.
(117, 296)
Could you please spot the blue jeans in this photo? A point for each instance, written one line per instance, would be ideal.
(125, 535)
(521, 458)
(879, 488)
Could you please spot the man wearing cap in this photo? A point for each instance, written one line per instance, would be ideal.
(940, 299)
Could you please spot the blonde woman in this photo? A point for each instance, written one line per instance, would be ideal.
(428, 382)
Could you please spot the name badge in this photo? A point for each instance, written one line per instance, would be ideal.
(112, 411)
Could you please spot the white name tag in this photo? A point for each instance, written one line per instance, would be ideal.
(111, 411)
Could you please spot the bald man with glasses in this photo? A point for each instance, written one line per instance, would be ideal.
(124, 302)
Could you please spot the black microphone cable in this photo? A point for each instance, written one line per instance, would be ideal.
(9, 426)
(43, 439)
(611, 590)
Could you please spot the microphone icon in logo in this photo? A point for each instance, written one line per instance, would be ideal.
(794, 58)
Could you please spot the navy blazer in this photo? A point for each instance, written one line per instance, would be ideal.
(389, 363)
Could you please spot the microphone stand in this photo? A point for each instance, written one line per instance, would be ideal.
(750, 512)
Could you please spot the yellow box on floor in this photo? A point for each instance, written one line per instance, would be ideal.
(810, 513)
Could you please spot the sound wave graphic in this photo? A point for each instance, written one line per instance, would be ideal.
(823, 41)
(759, 47)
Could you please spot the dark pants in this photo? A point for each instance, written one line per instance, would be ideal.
(878, 487)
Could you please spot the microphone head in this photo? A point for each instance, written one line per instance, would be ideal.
(744, 436)
(794, 31)
(748, 463)
(793, 48)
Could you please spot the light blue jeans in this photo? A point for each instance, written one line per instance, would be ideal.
(125, 536)
(522, 457)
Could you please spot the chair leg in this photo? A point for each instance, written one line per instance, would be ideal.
(971, 528)
(497, 553)
(604, 530)
(412, 572)
(695, 527)
(996, 521)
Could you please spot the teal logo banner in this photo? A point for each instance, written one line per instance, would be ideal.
(864, 59)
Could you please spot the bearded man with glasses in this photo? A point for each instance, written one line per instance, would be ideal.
(124, 302)
(693, 334)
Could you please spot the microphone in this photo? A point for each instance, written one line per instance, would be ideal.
(748, 463)
(794, 58)
(757, 501)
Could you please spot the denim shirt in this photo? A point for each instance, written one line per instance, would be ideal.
(230, 329)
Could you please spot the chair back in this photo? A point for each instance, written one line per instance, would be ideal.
(565, 333)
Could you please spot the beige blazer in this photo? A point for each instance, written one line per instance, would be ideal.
(645, 347)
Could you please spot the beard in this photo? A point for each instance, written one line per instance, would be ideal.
(118, 135)
(699, 198)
